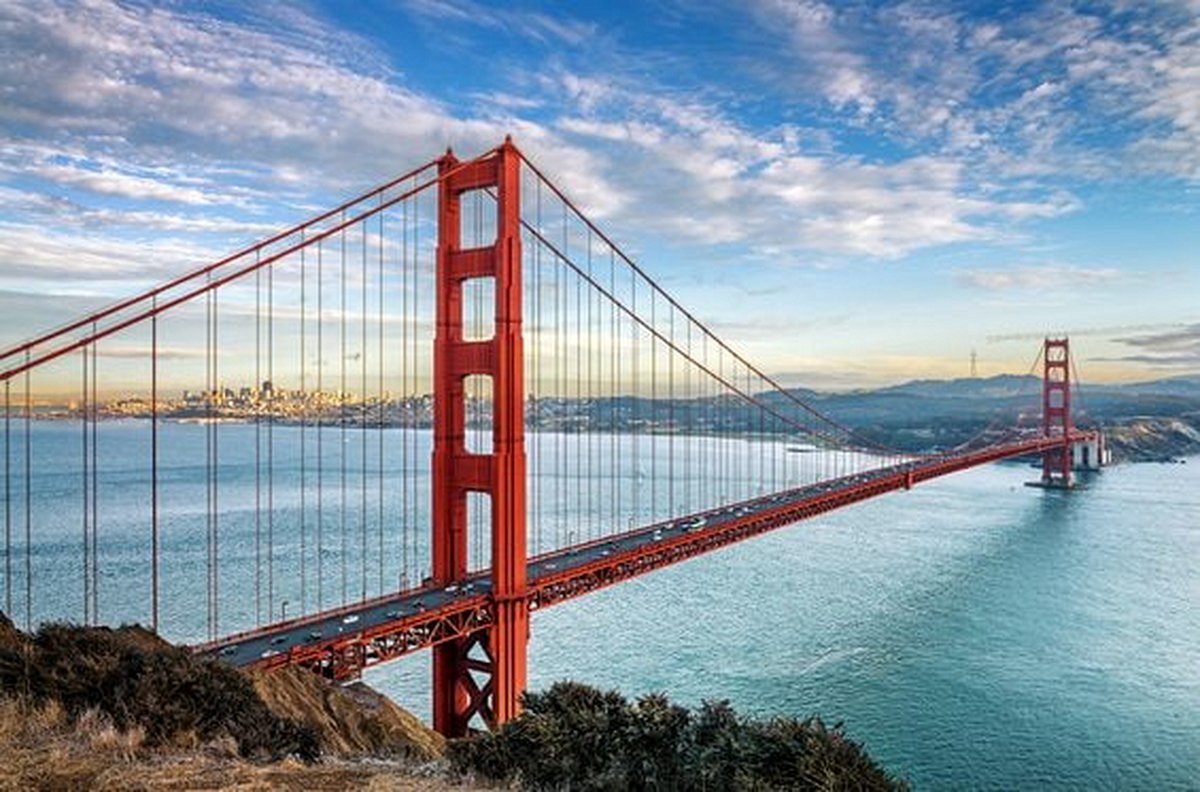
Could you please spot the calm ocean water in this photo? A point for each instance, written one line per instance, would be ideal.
(973, 633)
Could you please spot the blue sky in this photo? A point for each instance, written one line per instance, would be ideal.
(852, 193)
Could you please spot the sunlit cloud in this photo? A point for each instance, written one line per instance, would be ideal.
(1173, 349)
(1033, 277)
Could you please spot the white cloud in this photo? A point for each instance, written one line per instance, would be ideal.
(837, 68)
(148, 107)
(1031, 277)
(34, 255)
(62, 212)
(1175, 349)
(109, 182)
(1052, 88)
(539, 27)
(168, 83)
(697, 174)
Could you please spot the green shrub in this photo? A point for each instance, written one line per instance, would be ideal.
(578, 738)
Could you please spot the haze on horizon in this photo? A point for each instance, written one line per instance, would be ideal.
(851, 194)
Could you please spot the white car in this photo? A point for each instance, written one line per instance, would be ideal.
(353, 617)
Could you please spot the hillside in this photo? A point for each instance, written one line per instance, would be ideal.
(351, 720)
(98, 708)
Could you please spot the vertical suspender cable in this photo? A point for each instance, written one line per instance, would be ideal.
(85, 487)
(614, 430)
(559, 395)
(362, 418)
(271, 439)
(210, 397)
(593, 468)
(654, 410)
(635, 492)
(319, 400)
(154, 583)
(8, 497)
(689, 427)
(534, 251)
(415, 523)
(28, 503)
(407, 423)
(578, 434)
(258, 446)
(216, 470)
(380, 401)
(671, 504)
(342, 415)
(304, 397)
(95, 403)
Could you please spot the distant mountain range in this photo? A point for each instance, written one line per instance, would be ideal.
(1147, 420)
(1008, 385)
(967, 397)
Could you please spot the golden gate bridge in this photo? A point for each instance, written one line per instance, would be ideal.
(469, 404)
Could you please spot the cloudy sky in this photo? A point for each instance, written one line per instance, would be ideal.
(852, 193)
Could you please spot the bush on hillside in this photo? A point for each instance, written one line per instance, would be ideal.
(138, 680)
(576, 737)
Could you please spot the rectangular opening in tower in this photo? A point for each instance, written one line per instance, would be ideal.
(479, 309)
(478, 218)
(478, 409)
(479, 531)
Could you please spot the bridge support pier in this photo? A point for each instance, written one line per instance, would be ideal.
(498, 654)
(1056, 412)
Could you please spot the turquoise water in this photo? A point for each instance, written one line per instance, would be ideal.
(973, 633)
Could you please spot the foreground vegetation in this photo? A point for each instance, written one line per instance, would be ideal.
(135, 680)
(93, 707)
(98, 708)
(576, 737)
(42, 748)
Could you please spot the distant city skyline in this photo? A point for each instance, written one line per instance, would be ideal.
(851, 194)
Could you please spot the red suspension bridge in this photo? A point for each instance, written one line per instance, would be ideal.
(408, 423)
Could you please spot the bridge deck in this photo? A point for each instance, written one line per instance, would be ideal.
(343, 641)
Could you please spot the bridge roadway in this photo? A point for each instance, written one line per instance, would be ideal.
(340, 643)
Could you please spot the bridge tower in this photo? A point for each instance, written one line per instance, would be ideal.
(497, 653)
(1056, 411)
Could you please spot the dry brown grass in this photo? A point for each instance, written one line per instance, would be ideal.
(41, 749)
(97, 708)
(351, 720)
